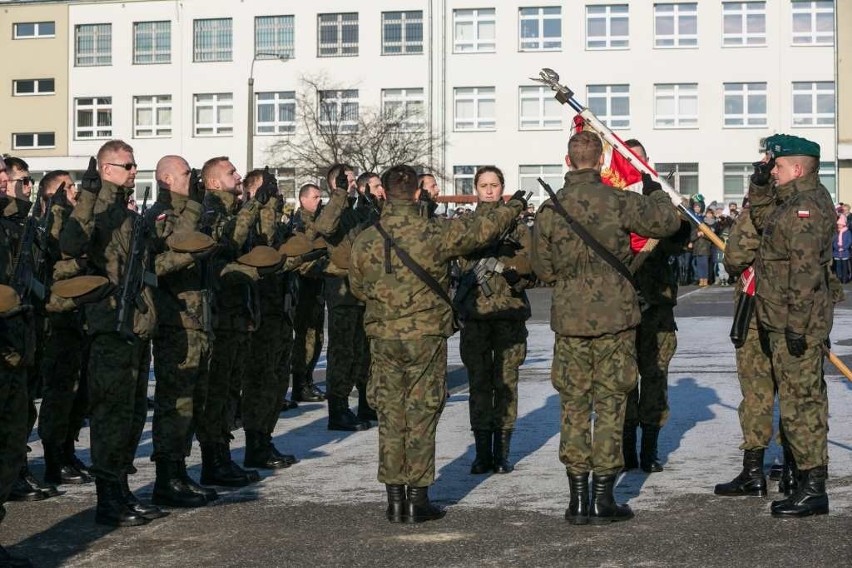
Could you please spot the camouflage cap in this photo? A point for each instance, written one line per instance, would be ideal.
(261, 256)
(78, 286)
(190, 241)
(780, 145)
(9, 299)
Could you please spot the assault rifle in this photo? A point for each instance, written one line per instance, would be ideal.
(135, 277)
(28, 277)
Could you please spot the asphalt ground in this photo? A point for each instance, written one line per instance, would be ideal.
(329, 509)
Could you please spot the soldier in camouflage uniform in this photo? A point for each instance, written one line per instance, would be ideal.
(595, 314)
(494, 337)
(182, 343)
(309, 316)
(339, 222)
(63, 407)
(101, 226)
(794, 304)
(408, 324)
(236, 312)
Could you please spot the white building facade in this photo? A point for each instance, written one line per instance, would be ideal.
(699, 83)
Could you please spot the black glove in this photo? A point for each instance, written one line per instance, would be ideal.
(267, 270)
(91, 181)
(95, 295)
(60, 197)
(796, 344)
(511, 275)
(521, 196)
(683, 233)
(267, 189)
(342, 181)
(196, 187)
(761, 175)
(827, 343)
(649, 186)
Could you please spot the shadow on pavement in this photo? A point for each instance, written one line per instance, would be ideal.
(53, 546)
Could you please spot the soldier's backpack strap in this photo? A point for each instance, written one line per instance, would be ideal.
(420, 272)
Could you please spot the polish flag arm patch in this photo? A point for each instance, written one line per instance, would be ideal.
(803, 214)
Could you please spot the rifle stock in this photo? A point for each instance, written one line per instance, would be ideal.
(135, 276)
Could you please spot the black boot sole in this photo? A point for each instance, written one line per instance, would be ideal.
(29, 497)
(481, 470)
(608, 520)
(757, 493)
(110, 522)
(800, 514)
(179, 503)
(342, 428)
(243, 482)
(283, 464)
(576, 519)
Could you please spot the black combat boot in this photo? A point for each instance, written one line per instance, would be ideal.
(750, 481)
(419, 509)
(341, 418)
(59, 469)
(112, 510)
(9, 561)
(171, 490)
(648, 454)
(628, 447)
(365, 411)
(603, 508)
(396, 503)
(789, 482)
(290, 459)
(502, 442)
(259, 452)
(577, 512)
(484, 460)
(150, 512)
(25, 489)
(305, 391)
(775, 471)
(218, 469)
(208, 493)
(72, 459)
(809, 499)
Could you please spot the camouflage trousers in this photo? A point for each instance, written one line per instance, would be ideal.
(348, 351)
(308, 329)
(118, 385)
(13, 428)
(492, 350)
(215, 408)
(66, 399)
(181, 366)
(408, 389)
(757, 384)
(264, 386)
(803, 399)
(656, 342)
(34, 376)
(593, 374)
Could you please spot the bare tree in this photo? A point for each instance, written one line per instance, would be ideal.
(331, 126)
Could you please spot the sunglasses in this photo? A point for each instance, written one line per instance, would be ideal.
(128, 166)
(24, 180)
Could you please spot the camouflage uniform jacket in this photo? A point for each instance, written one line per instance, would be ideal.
(230, 226)
(793, 267)
(590, 298)
(101, 228)
(399, 304)
(16, 332)
(178, 295)
(305, 222)
(506, 301)
(657, 277)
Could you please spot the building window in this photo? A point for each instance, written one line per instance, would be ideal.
(93, 118)
(212, 40)
(828, 178)
(735, 180)
(684, 176)
(539, 109)
(33, 140)
(152, 42)
(286, 182)
(338, 35)
(676, 25)
(404, 106)
(528, 180)
(813, 103)
(339, 110)
(276, 112)
(152, 116)
(474, 31)
(607, 27)
(402, 32)
(743, 23)
(745, 104)
(30, 87)
(610, 103)
(541, 29)
(29, 30)
(463, 179)
(676, 106)
(93, 45)
(274, 34)
(813, 22)
(214, 114)
(474, 108)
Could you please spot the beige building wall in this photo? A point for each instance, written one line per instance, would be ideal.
(34, 58)
(843, 34)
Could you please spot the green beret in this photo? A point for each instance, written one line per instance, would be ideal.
(780, 145)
